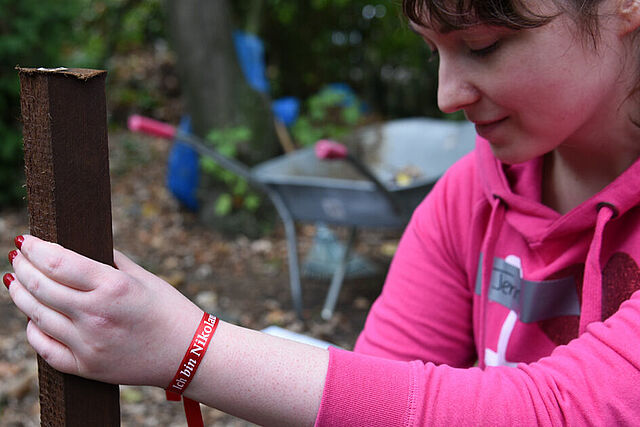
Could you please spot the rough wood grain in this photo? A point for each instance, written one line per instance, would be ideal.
(69, 197)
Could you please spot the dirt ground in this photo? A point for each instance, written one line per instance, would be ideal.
(243, 281)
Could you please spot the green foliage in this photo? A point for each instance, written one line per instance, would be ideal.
(111, 27)
(363, 43)
(71, 33)
(237, 194)
(33, 33)
(11, 174)
(125, 37)
(329, 114)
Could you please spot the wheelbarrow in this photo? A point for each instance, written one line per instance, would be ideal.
(376, 180)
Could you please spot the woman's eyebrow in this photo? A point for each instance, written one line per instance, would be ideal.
(443, 29)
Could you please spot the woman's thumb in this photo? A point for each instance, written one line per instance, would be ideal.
(124, 264)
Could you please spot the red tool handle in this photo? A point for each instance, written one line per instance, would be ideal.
(137, 123)
(328, 150)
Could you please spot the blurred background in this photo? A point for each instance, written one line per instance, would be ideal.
(161, 54)
(255, 79)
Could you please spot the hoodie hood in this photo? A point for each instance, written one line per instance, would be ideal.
(519, 188)
(514, 194)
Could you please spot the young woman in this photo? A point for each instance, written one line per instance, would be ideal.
(523, 259)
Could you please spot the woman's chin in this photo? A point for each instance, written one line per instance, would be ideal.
(510, 154)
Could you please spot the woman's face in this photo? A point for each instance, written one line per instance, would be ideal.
(530, 91)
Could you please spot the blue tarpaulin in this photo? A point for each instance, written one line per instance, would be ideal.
(250, 52)
(183, 169)
(286, 109)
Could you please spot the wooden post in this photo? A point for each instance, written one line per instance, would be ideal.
(67, 170)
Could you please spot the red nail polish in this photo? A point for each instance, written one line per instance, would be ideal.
(7, 279)
(18, 241)
(12, 256)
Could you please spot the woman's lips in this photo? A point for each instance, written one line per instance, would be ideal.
(487, 129)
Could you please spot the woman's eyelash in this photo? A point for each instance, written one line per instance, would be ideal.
(485, 50)
(480, 53)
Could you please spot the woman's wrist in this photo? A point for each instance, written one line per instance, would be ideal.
(189, 366)
(194, 354)
(178, 333)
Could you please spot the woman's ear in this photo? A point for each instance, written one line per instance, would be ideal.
(629, 12)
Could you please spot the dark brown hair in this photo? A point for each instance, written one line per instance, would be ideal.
(513, 14)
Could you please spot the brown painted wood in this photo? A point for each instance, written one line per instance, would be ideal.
(69, 195)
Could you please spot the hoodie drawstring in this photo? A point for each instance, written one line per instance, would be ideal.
(488, 252)
(591, 306)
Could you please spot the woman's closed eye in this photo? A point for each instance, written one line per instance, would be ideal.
(485, 51)
(476, 52)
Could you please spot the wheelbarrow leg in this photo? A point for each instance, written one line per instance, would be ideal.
(338, 278)
(294, 268)
(292, 247)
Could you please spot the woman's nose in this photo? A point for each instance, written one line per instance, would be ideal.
(455, 88)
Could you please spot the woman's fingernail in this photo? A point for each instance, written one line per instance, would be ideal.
(7, 279)
(18, 241)
(12, 255)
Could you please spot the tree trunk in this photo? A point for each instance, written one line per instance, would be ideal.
(214, 87)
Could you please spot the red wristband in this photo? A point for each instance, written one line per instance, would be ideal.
(189, 365)
(195, 353)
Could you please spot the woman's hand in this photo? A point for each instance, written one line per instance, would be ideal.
(123, 325)
(126, 326)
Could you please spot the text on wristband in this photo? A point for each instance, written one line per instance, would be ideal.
(194, 355)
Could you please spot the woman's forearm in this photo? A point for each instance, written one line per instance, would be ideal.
(261, 378)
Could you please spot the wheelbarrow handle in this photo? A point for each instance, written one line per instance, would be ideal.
(330, 150)
(164, 130)
(327, 150)
(137, 123)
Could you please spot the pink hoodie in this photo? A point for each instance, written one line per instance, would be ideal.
(485, 272)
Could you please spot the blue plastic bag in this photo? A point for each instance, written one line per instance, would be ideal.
(250, 52)
(183, 173)
(286, 109)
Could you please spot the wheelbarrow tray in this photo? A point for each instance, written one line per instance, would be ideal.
(304, 188)
(335, 192)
